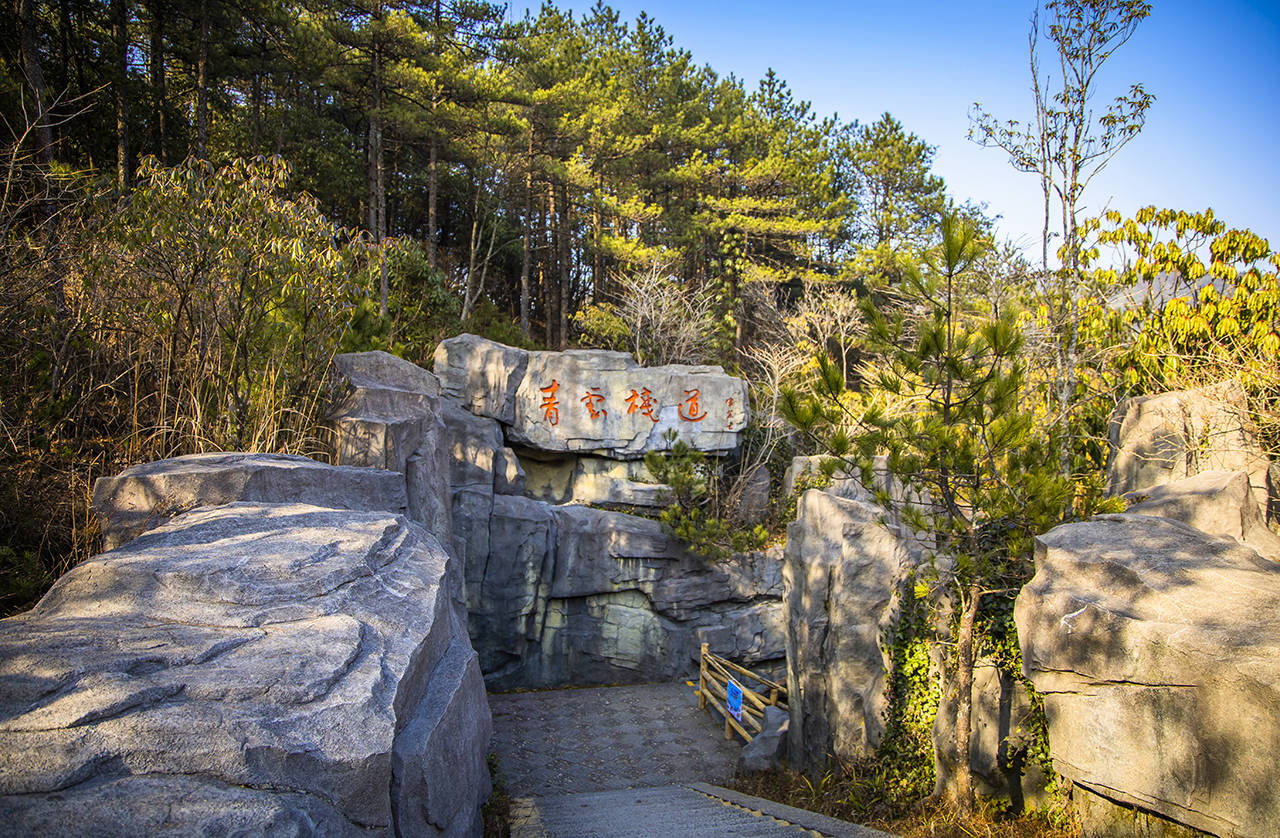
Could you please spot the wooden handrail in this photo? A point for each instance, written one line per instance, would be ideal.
(714, 673)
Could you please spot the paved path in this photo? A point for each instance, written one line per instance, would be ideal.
(602, 738)
(631, 762)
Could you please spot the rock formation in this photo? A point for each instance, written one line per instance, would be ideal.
(1167, 437)
(592, 401)
(841, 574)
(1214, 502)
(276, 668)
(144, 496)
(562, 585)
(1157, 650)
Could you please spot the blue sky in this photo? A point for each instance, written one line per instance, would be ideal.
(1211, 138)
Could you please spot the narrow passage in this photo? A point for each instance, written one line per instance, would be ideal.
(631, 762)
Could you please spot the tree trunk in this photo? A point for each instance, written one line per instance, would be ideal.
(524, 242)
(964, 695)
(597, 255)
(120, 24)
(565, 284)
(546, 268)
(158, 82)
(35, 80)
(433, 194)
(375, 176)
(202, 85)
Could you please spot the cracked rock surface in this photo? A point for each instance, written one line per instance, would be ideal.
(282, 668)
(1157, 650)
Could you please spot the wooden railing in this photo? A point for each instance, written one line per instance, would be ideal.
(758, 692)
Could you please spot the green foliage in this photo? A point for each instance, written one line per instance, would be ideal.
(904, 758)
(945, 407)
(233, 299)
(689, 477)
(23, 578)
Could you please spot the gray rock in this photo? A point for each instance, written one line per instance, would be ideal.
(601, 402)
(1214, 502)
(508, 475)
(144, 496)
(173, 805)
(481, 375)
(753, 504)
(1163, 438)
(474, 445)
(391, 417)
(387, 408)
(507, 592)
(1156, 649)
(305, 667)
(764, 752)
(595, 481)
(1000, 732)
(841, 573)
(571, 594)
(379, 370)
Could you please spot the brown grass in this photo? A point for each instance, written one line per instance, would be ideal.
(850, 799)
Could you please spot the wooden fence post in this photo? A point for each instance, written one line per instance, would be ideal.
(702, 678)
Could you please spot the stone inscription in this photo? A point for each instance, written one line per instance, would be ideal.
(640, 401)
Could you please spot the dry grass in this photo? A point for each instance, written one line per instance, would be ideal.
(857, 801)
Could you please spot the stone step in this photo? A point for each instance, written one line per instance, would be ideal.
(670, 812)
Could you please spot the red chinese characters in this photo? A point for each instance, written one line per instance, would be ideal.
(729, 412)
(642, 403)
(550, 404)
(689, 410)
(593, 399)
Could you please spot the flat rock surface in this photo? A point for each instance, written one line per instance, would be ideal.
(567, 741)
(304, 664)
(144, 496)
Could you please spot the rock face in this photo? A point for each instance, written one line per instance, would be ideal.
(1164, 438)
(594, 481)
(1157, 650)
(1214, 502)
(764, 751)
(841, 573)
(571, 594)
(391, 418)
(144, 496)
(280, 668)
(481, 375)
(591, 401)
(1001, 729)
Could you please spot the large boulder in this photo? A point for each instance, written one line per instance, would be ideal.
(592, 401)
(278, 668)
(1215, 502)
(1167, 437)
(390, 417)
(144, 496)
(841, 573)
(1157, 650)
(596, 401)
(481, 375)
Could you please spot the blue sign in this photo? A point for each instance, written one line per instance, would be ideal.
(733, 694)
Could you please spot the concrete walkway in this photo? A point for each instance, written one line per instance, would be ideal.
(631, 762)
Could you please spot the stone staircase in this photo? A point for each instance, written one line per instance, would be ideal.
(671, 812)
